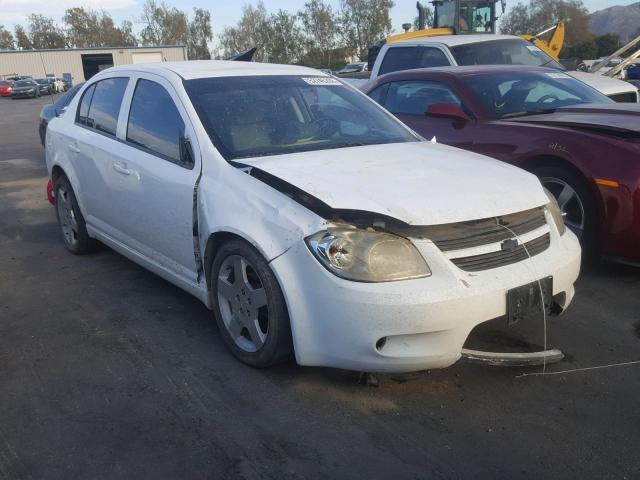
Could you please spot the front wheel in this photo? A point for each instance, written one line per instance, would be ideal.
(575, 201)
(249, 306)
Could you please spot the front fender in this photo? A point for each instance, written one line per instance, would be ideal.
(237, 203)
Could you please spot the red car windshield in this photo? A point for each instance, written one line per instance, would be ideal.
(514, 93)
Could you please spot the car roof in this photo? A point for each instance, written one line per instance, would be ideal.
(193, 69)
(454, 40)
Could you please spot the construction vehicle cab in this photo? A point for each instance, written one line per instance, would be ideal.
(466, 16)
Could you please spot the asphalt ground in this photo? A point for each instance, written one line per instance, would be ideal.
(108, 371)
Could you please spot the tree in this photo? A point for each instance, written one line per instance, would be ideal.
(252, 30)
(541, 14)
(22, 39)
(428, 19)
(6, 39)
(285, 38)
(607, 44)
(88, 28)
(320, 28)
(200, 34)
(583, 51)
(363, 22)
(128, 37)
(163, 25)
(43, 33)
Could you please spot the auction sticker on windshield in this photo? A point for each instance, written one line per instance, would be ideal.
(558, 75)
(321, 81)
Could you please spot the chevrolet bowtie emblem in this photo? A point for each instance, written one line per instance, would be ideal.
(509, 245)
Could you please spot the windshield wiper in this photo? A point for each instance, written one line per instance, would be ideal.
(539, 111)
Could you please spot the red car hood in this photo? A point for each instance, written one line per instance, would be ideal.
(622, 118)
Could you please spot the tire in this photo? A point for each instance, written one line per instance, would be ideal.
(556, 179)
(70, 219)
(249, 308)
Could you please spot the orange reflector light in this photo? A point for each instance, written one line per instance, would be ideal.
(607, 183)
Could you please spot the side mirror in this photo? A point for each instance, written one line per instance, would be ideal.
(447, 110)
(60, 111)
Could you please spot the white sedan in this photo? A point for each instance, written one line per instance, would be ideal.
(308, 219)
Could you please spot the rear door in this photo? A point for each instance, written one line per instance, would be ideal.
(155, 173)
(92, 148)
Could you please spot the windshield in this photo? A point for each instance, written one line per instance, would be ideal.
(24, 83)
(42, 81)
(515, 94)
(271, 115)
(511, 51)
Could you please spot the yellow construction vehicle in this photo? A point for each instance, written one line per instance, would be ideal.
(553, 45)
(453, 17)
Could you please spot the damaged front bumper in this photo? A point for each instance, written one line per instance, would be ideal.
(407, 325)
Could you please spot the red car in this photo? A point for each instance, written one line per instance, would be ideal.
(584, 147)
(5, 88)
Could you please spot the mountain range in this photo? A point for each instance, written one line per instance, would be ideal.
(622, 20)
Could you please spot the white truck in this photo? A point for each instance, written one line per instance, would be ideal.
(480, 49)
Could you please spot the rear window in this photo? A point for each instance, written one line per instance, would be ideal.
(408, 58)
(512, 51)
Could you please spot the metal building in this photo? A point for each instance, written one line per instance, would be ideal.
(82, 63)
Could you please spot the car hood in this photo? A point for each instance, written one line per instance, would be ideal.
(419, 183)
(606, 85)
(20, 89)
(614, 118)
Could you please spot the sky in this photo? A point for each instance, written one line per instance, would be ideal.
(223, 12)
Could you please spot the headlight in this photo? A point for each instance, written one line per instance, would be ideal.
(367, 255)
(556, 213)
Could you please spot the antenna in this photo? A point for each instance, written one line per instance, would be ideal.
(44, 70)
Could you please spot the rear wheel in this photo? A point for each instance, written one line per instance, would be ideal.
(70, 219)
(249, 306)
(575, 201)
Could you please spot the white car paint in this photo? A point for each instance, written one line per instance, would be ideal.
(146, 215)
(373, 192)
(608, 86)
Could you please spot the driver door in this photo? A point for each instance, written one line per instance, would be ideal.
(156, 173)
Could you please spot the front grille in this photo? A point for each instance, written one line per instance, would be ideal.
(627, 97)
(457, 236)
(501, 258)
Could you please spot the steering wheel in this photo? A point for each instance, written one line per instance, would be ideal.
(327, 126)
(544, 99)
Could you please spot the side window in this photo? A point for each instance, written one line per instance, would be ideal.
(379, 94)
(83, 110)
(155, 122)
(105, 104)
(414, 97)
(407, 58)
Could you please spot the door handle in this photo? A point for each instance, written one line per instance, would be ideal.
(122, 170)
(73, 147)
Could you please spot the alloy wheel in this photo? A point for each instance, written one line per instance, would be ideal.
(67, 217)
(570, 203)
(243, 303)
